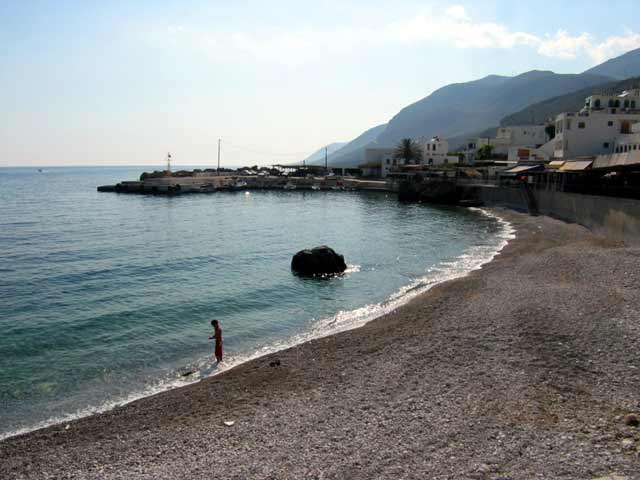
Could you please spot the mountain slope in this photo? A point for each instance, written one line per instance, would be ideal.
(342, 157)
(461, 108)
(541, 112)
(318, 155)
(624, 66)
(457, 111)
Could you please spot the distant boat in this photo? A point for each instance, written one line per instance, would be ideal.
(208, 188)
(239, 185)
(290, 186)
(40, 170)
(315, 186)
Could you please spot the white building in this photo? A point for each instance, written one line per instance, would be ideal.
(531, 136)
(596, 129)
(509, 142)
(628, 100)
(378, 162)
(527, 154)
(436, 152)
(628, 142)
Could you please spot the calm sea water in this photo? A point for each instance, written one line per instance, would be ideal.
(105, 298)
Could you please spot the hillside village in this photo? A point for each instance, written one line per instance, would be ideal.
(603, 135)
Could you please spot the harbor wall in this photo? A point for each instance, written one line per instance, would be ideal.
(612, 217)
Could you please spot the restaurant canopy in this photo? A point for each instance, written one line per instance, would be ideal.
(523, 169)
(556, 164)
(576, 166)
(617, 161)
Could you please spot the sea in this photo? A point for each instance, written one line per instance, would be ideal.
(106, 298)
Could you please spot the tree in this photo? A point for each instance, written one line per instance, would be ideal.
(484, 152)
(408, 150)
(550, 130)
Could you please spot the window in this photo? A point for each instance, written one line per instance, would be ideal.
(633, 104)
(626, 104)
(625, 127)
(388, 161)
(605, 145)
(580, 124)
(611, 105)
(609, 123)
(445, 161)
(431, 161)
(635, 147)
(568, 124)
(596, 104)
(617, 104)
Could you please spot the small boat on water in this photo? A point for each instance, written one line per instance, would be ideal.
(315, 186)
(237, 186)
(290, 186)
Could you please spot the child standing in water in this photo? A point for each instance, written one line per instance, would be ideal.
(217, 334)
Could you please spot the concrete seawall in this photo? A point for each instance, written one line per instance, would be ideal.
(616, 218)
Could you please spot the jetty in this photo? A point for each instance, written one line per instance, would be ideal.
(196, 182)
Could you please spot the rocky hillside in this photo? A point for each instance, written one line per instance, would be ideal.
(624, 66)
(543, 111)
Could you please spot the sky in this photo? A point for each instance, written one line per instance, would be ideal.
(124, 82)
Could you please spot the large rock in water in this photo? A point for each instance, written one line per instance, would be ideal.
(318, 261)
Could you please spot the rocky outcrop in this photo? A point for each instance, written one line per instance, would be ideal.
(318, 261)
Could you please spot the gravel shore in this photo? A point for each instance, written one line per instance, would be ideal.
(524, 369)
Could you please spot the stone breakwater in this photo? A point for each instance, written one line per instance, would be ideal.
(173, 185)
(527, 368)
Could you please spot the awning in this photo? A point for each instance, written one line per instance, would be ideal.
(522, 169)
(556, 164)
(617, 160)
(471, 172)
(578, 166)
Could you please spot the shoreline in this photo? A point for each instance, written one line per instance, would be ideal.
(499, 372)
(398, 299)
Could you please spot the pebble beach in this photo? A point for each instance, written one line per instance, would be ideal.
(527, 368)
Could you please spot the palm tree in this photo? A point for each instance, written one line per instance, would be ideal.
(408, 150)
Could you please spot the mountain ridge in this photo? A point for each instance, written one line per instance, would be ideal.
(485, 103)
(624, 66)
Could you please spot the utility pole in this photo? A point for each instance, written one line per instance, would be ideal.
(218, 171)
(326, 170)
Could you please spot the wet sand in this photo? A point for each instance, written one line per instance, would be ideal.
(523, 369)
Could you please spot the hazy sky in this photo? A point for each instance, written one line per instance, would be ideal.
(123, 82)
